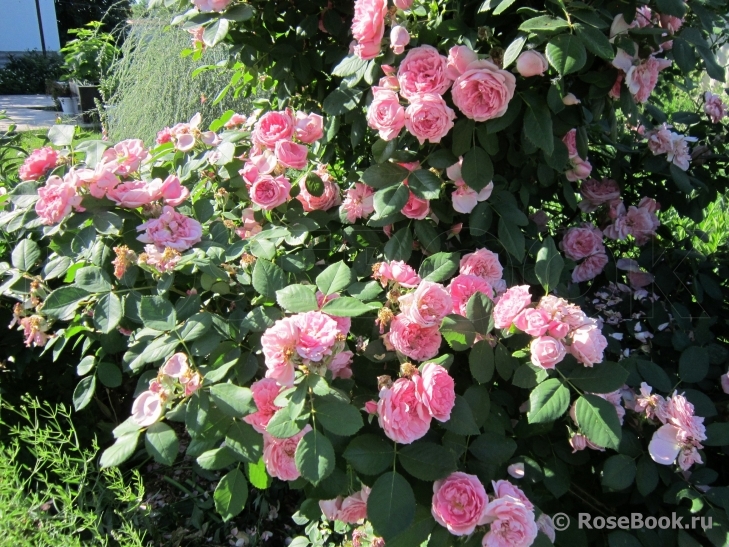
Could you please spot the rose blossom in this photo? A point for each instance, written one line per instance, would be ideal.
(459, 503)
(463, 287)
(412, 340)
(660, 139)
(385, 113)
(329, 198)
(427, 305)
(459, 57)
(249, 226)
(514, 300)
(429, 117)
(264, 392)
(713, 106)
(176, 366)
(125, 157)
(317, 334)
(512, 524)
(343, 323)
(173, 192)
(211, 5)
(725, 383)
(533, 321)
(435, 388)
(581, 169)
(341, 364)
(397, 271)
(269, 192)
(416, 208)
(278, 455)
(133, 194)
(368, 27)
(400, 413)
(278, 344)
(358, 202)
(596, 193)
(147, 408)
(590, 268)
(505, 488)
(423, 71)
(99, 181)
(546, 526)
(308, 128)
(483, 91)
(588, 344)
(38, 163)
(582, 241)
(570, 100)
(465, 198)
(399, 38)
(171, 229)
(403, 4)
(291, 155)
(531, 63)
(483, 263)
(354, 507)
(273, 127)
(56, 200)
(640, 78)
(546, 352)
(516, 470)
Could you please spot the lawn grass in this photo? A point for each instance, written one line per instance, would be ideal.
(37, 138)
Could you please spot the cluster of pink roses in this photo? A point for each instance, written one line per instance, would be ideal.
(460, 504)
(175, 379)
(580, 168)
(584, 243)
(558, 327)
(661, 140)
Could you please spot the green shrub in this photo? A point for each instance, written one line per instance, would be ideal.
(26, 74)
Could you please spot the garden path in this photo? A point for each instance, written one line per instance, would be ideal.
(24, 111)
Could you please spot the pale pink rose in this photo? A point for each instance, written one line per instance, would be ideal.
(641, 223)
(619, 26)
(269, 192)
(416, 208)
(670, 23)
(546, 526)
(435, 389)
(483, 263)
(679, 412)
(133, 194)
(165, 135)
(278, 455)
(578, 442)
(249, 226)
(516, 470)
(463, 287)
(329, 198)
(459, 57)
(570, 100)
(680, 153)
(279, 350)
(588, 344)
(399, 38)
(688, 457)
(292, 155)
(358, 202)
(397, 271)
(176, 366)
(483, 91)
(423, 71)
(596, 193)
(403, 4)
(265, 161)
(713, 106)
(533, 321)
(99, 181)
(614, 92)
(464, 199)
(546, 352)
(343, 323)
(34, 330)
(147, 409)
(412, 340)
(317, 335)
(308, 128)
(211, 5)
(210, 138)
(330, 508)
(264, 392)
(505, 488)
(514, 300)
(581, 169)
(56, 200)
(665, 446)
(644, 17)
(171, 229)
(459, 503)
(385, 113)
(429, 118)
(38, 163)
(531, 63)
(192, 383)
(641, 79)
(173, 192)
(660, 139)
(342, 361)
(354, 507)
(454, 171)
(125, 157)
(273, 127)
(512, 524)
(638, 280)
(401, 415)
(590, 268)
(427, 305)
(368, 27)
(725, 383)
(582, 241)
(163, 261)
(236, 120)
(570, 141)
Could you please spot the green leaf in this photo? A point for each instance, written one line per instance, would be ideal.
(717, 434)
(458, 332)
(604, 377)
(245, 441)
(61, 135)
(162, 444)
(442, 159)
(369, 454)
(427, 235)
(512, 52)
(595, 41)
(503, 6)
(346, 306)
(218, 458)
(654, 375)
(338, 417)
(400, 245)
(439, 267)
(424, 184)
(548, 401)
(384, 174)
(391, 505)
(233, 400)
(566, 53)
(109, 374)
(462, 421)
(84, 392)
(314, 185)
(390, 200)
(268, 278)
(544, 23)
(108, 223)
(108, 312)
(297, 298)
(548, 268)
(351, 64)
(86, 365)
(493, 448)
(479, 310)
(477, 169)
(480, 220)
(239, 13)
(481, 362)
(282, 426)
(599, 421)
(231, 494)
(92, 279)
(693, 365)
(56, 267)
(538, 124)
(25, 255)
(618, 472)
(156, 312)
(120, 451)
(314, 457)
(216, 33)
(676, 8)
(341, 101)
(505, 362)
(512, 239)
(646, 477)
(335, 278)
(427, 461)
(195, 326)
(258, 475)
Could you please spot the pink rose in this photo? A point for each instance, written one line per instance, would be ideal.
(416, 207)
(368, 27)
(570, 141)
(512, 524)
(614, 92)
(670, 23)
(385, 113)
(660, 139)
(173, 192)
(317, 335)
(147, 409)
(278, 455)
(581, 169)
(725, 383)
(459, 503)
(638, 280)
(135, 193)
(354, 507)
(329, 198)
(423, 71)
(459, 57)
(435, 388)
(463, 287)
(341, 364)
(483, 263)
(269, 192)
(273, 127)
(641, 76)
(99, 181)
(533, 321)
(125, 157)
(483, 91)
(665, 446)
(165, 135)
(427, 305)
(570, 100)
(265, 392)
(343, 323)
(588, 344)
(211, 5)
(38, 163)
(505, 488)
(308, 128)
(412, 340)
(641, 223)
(292, 155)
(713, 106)
(596, 193)
(265, 162)
(176, 366)
(400, 413)
(546, 526)
(278, 344)
(249, 226)
(429, 118)
(403, 4)
(582, 241)
(397, 271)
(546, 352)
(531, 63)
(590, 268)
(171, 229)
(56, 200)
(516, 470)
(399, 38)
(510, 304)
(358, 202)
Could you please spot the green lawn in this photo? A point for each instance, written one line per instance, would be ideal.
(30, 140)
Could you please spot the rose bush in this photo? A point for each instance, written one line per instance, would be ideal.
(370, 302)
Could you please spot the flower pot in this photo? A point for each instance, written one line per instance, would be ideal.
(87, 96)
(68, 105)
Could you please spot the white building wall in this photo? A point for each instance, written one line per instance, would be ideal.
(19, 29)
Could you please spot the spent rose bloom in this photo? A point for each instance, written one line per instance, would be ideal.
(596, 193)
(171, 229)
(582, 241)
(211, 5)
(590, 268)
(278, 455)
(435, 389)
(385, 113)
(125, 157)
(358, 202)
(429, 118)
(459, 57)
(531, 63)
(38, 163)
(401, 415)
(56, 200)
(147, 409)
(510, 304)
(278, 344)
(412, 340)
(399, 38)
(459, 503)
(427, 305)
(292, 155)
(713, 106)
(483, 91)
(546, 352)
(463, 287)
(483, 263)
(269, 192)
(512, 524)
(308, 128)
(264, 392)
(368, 27)
(423, 71)
(416, 208)
(273, 127)
(588, 344)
